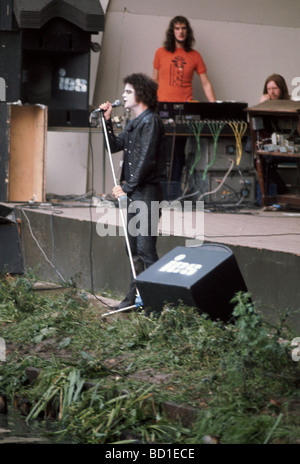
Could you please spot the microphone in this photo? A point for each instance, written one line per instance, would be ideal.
(115, 104)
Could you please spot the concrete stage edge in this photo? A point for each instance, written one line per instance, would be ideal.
(265, 244)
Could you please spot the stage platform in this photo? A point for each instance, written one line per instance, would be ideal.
(61, 241)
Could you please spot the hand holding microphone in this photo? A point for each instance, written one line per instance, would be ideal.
(107, 107)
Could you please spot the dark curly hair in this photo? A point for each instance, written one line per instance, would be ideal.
(170, 44)
(145, 89)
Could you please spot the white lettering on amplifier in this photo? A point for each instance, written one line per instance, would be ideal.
(71, 84)
(178, 266)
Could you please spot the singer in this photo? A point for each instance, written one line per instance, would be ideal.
(143, 145)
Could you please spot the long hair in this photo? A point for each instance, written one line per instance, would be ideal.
(145, 89)
(281, 84)
(170, 44)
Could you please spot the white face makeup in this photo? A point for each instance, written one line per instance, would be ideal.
(129, 97)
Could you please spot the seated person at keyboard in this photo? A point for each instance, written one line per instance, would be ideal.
(275, 88)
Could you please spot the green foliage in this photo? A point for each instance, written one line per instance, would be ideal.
(239, 376)
(15, 297)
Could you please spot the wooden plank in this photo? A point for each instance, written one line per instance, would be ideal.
(276, 106)
(27, 163)
(289, 200)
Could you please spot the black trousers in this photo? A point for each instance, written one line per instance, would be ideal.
(143, 215)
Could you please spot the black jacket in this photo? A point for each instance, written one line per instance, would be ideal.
(143, 142)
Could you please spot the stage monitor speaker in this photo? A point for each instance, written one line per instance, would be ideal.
(10, 249)
(206, 277)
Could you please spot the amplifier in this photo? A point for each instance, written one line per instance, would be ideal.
(10, 248)
(236, 189)
(186, 117)
(225, 150)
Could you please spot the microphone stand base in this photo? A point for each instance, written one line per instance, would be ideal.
(118, 310)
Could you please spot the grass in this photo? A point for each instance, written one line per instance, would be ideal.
(107, 379)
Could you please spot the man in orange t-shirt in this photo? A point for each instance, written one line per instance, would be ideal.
(175, 63)
(173, 69)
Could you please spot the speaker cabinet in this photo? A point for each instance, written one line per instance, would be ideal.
(10, 249)
(49, 66)
(206, 277)
(6, 17)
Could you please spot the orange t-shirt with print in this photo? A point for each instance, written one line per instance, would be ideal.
(175, 73)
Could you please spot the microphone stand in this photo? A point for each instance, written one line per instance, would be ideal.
(122, 201)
